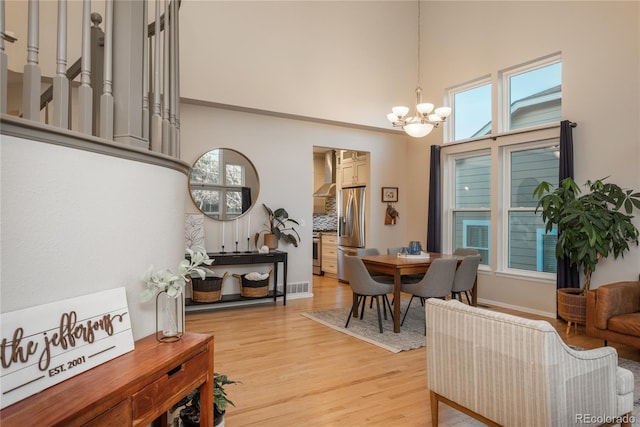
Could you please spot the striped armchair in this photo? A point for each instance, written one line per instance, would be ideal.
(510, 371)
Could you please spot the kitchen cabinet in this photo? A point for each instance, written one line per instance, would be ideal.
(330, 254)
(353, 169)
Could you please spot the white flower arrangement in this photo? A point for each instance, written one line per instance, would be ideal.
(174, 283)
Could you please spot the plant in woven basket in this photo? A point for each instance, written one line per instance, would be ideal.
(590, 226)
(190, 404)
(279, 224)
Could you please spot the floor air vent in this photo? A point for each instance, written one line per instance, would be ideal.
(297, 288)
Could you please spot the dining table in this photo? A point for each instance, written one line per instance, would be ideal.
(401, 265)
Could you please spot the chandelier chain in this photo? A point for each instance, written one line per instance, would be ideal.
(419, 42)
(425, 117)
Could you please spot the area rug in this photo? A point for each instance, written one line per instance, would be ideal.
(411, 334)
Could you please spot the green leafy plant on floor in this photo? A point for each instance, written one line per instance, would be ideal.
(590, 226)
(190, 404)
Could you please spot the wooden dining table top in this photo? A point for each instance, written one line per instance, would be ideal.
(398, 266)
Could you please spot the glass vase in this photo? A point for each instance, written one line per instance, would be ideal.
(169, 317)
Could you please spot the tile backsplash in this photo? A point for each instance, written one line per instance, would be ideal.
(328, 220)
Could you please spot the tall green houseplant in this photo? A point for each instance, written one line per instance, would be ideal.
(590, 226)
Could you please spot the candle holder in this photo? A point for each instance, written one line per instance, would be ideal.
(222, 251)
(236, 251)
(247, 251)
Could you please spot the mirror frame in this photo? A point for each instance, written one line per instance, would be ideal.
(254, 191)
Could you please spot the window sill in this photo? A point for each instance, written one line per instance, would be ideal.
(531, 276)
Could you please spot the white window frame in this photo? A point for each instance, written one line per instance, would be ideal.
(448, 200)
(450, 93)
(505, 208)
(503, 87)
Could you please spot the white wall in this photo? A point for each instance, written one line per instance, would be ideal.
(340, 61)
(75, 223)
(282, 152)
(600, 46)
(351, 61)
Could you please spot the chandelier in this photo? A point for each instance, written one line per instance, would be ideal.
(425, 118)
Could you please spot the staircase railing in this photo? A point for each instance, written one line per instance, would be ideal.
(131, 98)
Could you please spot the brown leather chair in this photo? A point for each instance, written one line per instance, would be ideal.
(613, 313)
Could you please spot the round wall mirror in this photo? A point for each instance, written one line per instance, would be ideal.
(224, 184)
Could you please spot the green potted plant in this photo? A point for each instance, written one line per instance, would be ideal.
(190, 405)
(590, 227)
(278, 228)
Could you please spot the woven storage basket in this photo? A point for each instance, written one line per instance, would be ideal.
(208, 289)
(253, 288)
(572, 305)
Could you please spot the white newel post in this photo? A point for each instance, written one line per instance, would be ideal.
(127, 73)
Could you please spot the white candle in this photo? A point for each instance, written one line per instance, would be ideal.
(236, 229)
(248, 226)
(223, 234)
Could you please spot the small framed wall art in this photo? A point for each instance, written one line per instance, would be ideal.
(390, 194)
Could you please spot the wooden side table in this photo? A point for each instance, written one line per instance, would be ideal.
(134, 389)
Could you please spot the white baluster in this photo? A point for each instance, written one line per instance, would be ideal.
(106, 99)
(176, 81)
(173, 12)
(31, 77)
(156, 120)
(60, 81)
(166, 131)
(85, 93)
(145, 76)
(3, 64)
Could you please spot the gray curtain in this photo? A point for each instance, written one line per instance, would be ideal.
(566, 276)
(434, 226)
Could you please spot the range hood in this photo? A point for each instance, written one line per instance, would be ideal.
(328, 189)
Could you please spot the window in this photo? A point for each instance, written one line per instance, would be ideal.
(527, 167)
(529, 95)
(470, 213)
(471, 110)
(476, 235)
(218, 189)
(546, 250)
(532, 94)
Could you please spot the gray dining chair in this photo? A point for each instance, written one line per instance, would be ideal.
(363, 285)
(436, 283)
(384, 278)
(465, 277)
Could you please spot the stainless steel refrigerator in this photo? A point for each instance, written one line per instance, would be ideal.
(351, 227)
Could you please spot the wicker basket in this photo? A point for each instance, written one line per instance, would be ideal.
(208, 289)
(253, 288)
(572, 305)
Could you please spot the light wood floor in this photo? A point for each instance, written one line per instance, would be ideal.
(297, 372)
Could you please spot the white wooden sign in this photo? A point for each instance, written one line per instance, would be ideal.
(47, 344)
